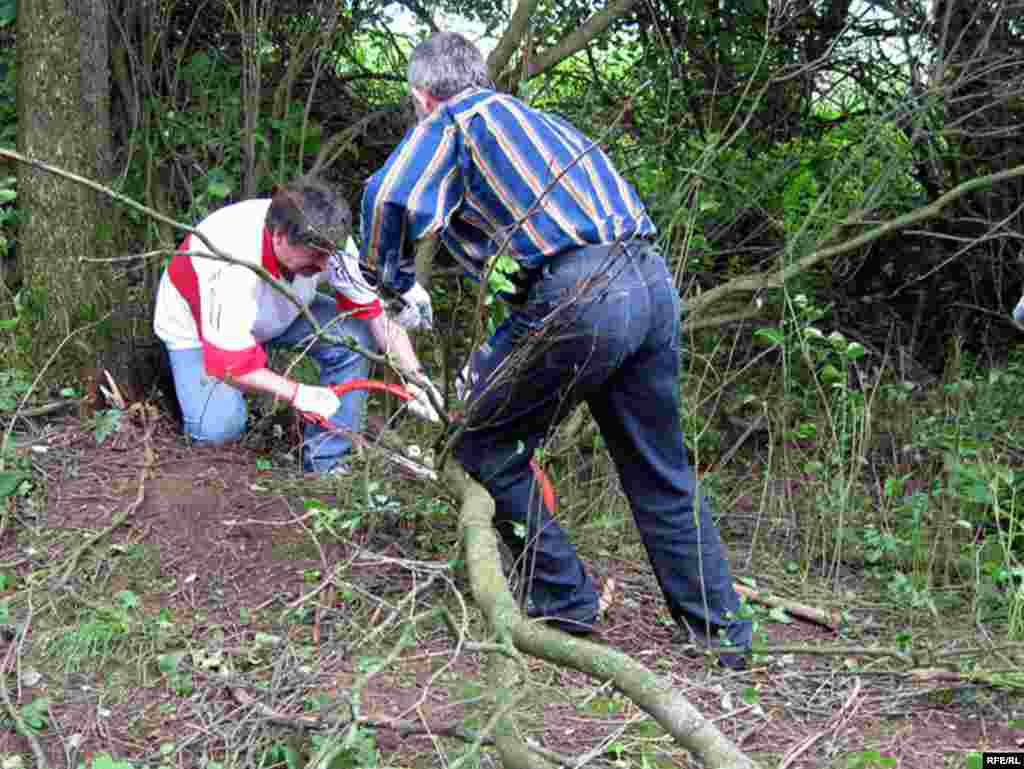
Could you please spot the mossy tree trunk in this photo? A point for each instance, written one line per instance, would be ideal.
(64, 120)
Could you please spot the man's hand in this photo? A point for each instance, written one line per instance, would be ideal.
(418, 311)
(316, 400)
(421, 405)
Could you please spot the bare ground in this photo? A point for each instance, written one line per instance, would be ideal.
(228, 566)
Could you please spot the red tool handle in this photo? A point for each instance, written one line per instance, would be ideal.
(371, 384)
(547, 489)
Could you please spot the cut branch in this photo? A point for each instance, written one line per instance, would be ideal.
(651, 693)
(829, 619)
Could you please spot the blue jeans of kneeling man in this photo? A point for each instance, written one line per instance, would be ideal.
(215, 412)
(600, 325)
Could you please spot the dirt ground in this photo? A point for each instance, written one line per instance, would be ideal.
(223, 562)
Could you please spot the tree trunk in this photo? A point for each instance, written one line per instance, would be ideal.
(64, 120)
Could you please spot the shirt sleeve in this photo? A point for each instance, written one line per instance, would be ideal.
(229, 305)
(353, 293)
(414, 195)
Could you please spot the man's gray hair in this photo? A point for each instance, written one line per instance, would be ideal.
(445, 64)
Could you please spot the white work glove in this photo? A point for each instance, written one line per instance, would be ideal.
(316, 400)
(464, 381)
(418, 311)
(421, 405)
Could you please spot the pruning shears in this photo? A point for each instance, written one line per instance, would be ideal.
(546, 487)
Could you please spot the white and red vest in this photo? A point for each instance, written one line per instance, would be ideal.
(227, 309)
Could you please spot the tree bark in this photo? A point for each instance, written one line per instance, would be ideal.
(63, 119)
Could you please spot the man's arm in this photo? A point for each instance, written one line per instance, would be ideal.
(394, 342)
(265, 380)
(412, 196)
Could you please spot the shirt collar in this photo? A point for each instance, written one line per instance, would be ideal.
(269, 258)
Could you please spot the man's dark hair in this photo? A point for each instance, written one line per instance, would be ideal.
(310, 212)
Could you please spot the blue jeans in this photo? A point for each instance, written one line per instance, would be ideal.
(215, 412)
(600, 325)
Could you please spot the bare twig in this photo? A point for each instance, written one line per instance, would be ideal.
(23, 728)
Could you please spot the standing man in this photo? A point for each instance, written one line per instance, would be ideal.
(597, 319)
(216, 318)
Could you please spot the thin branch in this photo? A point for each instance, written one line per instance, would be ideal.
(777, 279)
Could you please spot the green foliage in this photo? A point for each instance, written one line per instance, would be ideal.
(107, 761)
(331, 519)
(99, 632)
(8, 215)
(355, 750)
(868, 759)
(36, 714)
(106, 423)
(205, 127)
(179, 678)
(14, 383)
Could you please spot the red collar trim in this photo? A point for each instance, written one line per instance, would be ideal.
(269, 258)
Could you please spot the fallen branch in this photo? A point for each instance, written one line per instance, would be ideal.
(830, 619)
(988, 677)
(653, 694)
(403, 727)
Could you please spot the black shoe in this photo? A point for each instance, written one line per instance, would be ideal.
(734, 662)
(730, 656)
(578, 622)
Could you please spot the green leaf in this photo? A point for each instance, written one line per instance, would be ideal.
(855, 351)
(107, 423)
(107, 761)
(128, 600)
(168, 663)
(770, 335)
(219, 189)
(830, 373)
(6, 195)
(778, 614)
(9, 482)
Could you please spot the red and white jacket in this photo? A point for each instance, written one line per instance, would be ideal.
(227, 309)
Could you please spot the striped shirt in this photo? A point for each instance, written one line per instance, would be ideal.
(485, 171)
